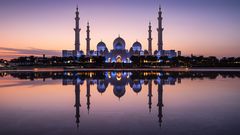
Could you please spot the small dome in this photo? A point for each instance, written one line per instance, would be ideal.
(136, 86)
(119, 44)
(91, 52)
(101, 46)
(146, 82)
(102, 86)
(137, 46)
(158, 81)
(146, 52)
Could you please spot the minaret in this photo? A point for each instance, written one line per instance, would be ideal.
(150, 39)
(160, 30)
(150, 95)
(77, 32)
(88, 95)
(160, 103)
(88, 40)
(77, 103)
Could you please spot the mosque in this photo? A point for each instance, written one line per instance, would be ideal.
(119, 53)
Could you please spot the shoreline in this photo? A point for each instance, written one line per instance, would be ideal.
(61, 69)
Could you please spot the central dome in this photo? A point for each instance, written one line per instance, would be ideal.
(119, 91)
(119, 44)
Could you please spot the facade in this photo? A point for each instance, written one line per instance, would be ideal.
(167, 53)
(119, 53)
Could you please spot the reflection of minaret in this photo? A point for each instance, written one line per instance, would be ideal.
(160, 30)
(160, 103)
(77, 103)
(150, 95)
(77, 32)
(88, 95)
(150, 39)
(88, 40)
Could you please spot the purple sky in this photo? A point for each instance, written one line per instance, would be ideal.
(201, 27)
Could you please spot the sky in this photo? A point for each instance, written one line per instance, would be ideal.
(199, 27)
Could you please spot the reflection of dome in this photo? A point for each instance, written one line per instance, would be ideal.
(101, 86)
(101, 46)
(146, 82)
(119, 91)
(119, 44)
(136, 86)
(158, 81)
(137, 46)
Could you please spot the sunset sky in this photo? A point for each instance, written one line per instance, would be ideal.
(200, 27)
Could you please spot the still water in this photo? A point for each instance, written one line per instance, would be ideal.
(119, 103)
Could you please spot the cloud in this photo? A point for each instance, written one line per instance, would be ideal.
(8, 53)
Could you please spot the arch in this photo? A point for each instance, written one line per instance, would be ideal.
(119, 59)
(119, 76)
(109, 60)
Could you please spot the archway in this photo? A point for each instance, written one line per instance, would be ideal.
(109, 60)
(119, 59)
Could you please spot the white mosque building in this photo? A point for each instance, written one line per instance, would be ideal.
(119, 53)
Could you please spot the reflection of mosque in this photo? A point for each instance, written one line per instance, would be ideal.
(119, 81)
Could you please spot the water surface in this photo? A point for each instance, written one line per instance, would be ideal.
(129, 103)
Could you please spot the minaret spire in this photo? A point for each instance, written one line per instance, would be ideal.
(88, 39)
(160, 30)
(160, 103)
(150, 39)
(150, 95)
(77, 31)
(77, 103)
(88, 95)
